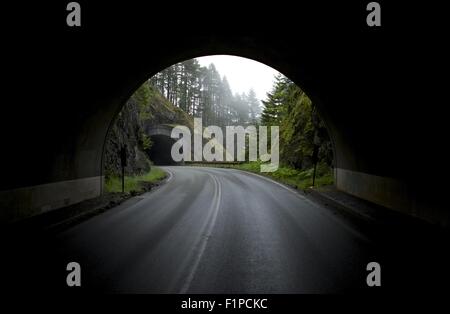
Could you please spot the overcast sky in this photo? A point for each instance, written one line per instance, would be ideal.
(243, 74)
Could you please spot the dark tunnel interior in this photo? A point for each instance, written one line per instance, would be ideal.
(160, 150)
(379, 91)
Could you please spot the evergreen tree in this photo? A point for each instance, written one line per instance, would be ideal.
(254, 109)
(301, 129)
(202, 92)
(274, 104)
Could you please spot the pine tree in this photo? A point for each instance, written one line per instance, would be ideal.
(254, 109)
(202, 92)
(274, 104)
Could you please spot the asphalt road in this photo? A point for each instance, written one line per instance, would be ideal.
(210, 230)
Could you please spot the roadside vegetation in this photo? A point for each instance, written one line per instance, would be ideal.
(298, 179)
(134, 183)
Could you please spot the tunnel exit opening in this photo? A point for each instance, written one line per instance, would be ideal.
(191, 90)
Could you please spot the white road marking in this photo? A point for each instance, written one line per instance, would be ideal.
(169, 172)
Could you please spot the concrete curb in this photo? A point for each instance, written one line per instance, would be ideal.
(344, 208)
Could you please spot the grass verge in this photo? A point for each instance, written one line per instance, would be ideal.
(299, 179)
(134, 183)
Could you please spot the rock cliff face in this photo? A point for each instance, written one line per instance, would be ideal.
(146, 107)
(127, 132)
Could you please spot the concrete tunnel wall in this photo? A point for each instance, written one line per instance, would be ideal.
(366, 103)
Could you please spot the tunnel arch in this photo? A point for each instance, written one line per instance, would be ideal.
(368, 180)
(371, 162)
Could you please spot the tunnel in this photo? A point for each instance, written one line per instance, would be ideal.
(363, 82)
(160, 149)
(159, 152)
